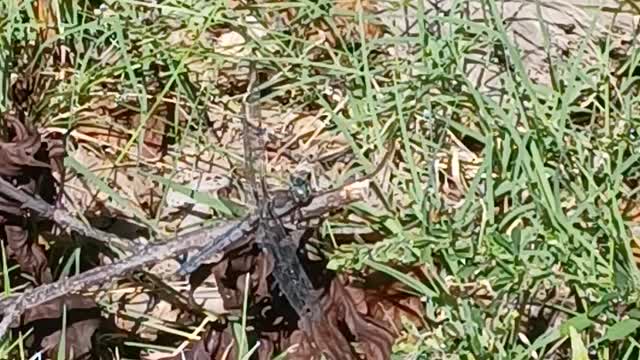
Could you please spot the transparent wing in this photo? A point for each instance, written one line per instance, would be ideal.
(288, 270)
(254, 161)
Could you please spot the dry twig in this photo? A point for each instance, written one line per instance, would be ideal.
(61, 217)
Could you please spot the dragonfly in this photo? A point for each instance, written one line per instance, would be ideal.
(271, 235)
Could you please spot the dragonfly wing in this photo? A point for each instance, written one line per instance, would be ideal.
(254, 155)
(288, 270)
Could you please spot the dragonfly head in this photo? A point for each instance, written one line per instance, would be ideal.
(300, 186)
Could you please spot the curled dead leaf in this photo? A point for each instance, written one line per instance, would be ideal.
(27, 253)
(19, 154)
(82, 319)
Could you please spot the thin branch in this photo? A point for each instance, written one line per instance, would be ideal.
(10, 314)
(61, 217)
(230, 235)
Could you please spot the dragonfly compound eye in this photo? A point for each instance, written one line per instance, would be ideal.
(299, 187)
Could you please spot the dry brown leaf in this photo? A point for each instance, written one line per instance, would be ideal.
(82, 319)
